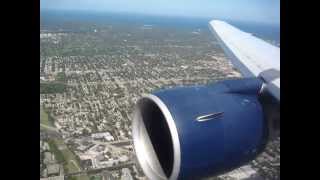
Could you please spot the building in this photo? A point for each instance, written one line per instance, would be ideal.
(53, 169)
(106, 135)
(126, 174)
(244, 172)
(107, 176)
(48, 158)
(53, 178)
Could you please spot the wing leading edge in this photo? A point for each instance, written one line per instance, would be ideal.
(252, 56)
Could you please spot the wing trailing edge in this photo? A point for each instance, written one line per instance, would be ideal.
(252, 56)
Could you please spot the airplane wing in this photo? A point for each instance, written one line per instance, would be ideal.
(252, 56)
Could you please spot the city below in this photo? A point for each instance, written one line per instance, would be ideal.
(91, 75)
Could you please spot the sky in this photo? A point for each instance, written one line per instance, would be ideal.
(261, 11)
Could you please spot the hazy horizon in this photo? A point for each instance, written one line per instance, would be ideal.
(254, 11)
(264, 31)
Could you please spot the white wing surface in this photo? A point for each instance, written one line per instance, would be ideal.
(252, 56)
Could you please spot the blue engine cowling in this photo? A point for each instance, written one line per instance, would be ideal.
(199, 131)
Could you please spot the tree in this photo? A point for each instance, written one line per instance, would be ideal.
(61, 77)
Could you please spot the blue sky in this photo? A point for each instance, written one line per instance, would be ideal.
(264, 11)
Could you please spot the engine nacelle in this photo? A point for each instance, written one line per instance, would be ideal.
(199, 131)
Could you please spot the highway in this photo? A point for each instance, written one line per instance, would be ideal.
(114, 144)
(112, 168)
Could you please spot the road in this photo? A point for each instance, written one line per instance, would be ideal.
(112, 168)
(112, 145)
(121, 143)
(49, 128)
(51, 131)
(75, 164)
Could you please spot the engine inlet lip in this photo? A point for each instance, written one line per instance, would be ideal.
(140, 148)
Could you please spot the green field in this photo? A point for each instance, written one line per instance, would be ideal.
(95, 178)
(52, 87)
(82, 177)
(44, 118)
(71, 163)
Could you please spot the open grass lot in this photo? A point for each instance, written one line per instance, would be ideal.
(71, 164)
(70, 161)
(95, 178)
(44, 118)
(83, 177)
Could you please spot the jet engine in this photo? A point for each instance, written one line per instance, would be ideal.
(199, 131)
